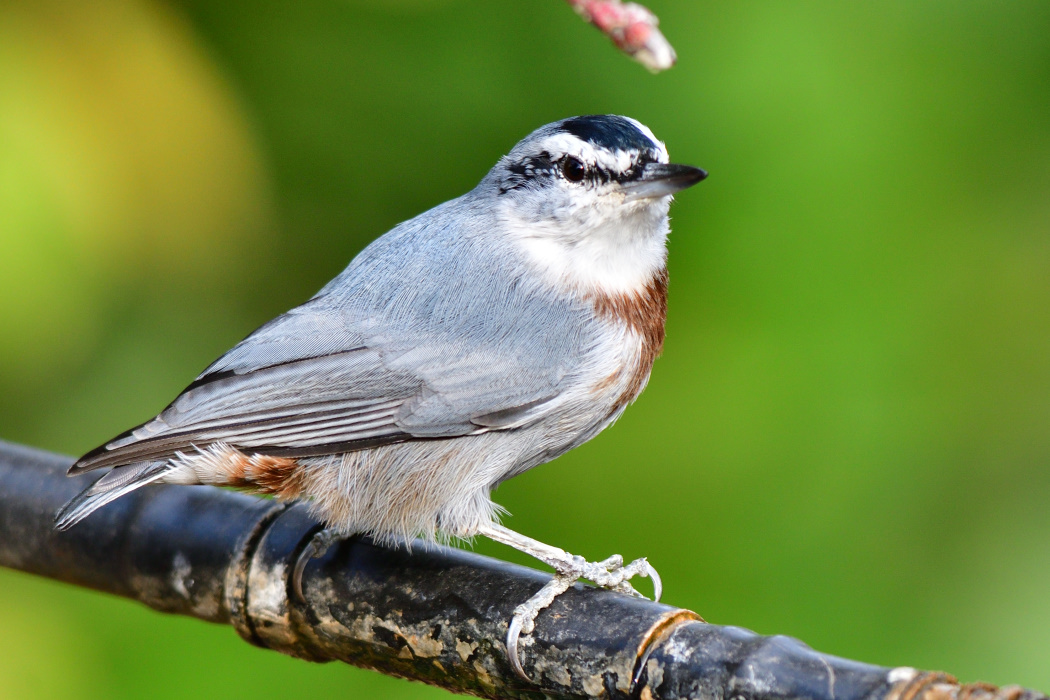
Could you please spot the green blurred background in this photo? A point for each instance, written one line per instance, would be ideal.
(848, 436)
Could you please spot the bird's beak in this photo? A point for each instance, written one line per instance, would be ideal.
(662, 179)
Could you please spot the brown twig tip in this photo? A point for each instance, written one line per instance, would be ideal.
(632, 28)
(910, 684)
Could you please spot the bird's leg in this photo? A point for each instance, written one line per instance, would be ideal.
(316, 547)
(608, 573)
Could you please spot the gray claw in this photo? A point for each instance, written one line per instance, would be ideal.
(316, 547)
(300, 566)
(513, 633)
(609, 573)
(658, 585)
(524, 620)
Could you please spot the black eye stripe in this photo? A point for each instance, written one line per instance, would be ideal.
(532, 171)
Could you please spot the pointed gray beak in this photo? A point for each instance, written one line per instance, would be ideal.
(662, 179)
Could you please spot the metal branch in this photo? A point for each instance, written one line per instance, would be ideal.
(435, 615)
(632, 27)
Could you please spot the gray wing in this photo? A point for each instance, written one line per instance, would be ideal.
(332, 376)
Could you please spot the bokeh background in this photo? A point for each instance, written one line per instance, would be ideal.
(848, 436)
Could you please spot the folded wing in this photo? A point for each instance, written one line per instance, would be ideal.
(311, 383)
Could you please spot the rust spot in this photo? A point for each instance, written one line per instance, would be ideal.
(978, 690)
(657, 633)
(280, 476)
(934, 685)
(644, 313)
(920, 685)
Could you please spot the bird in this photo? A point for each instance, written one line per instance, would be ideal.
(465, 346)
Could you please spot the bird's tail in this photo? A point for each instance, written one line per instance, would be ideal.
(116, 483)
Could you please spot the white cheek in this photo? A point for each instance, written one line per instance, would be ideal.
(619, 255)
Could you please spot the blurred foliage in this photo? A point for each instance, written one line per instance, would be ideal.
(848, 437)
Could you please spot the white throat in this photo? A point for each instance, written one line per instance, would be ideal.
(618, 256)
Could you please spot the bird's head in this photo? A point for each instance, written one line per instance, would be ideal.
(588, 197)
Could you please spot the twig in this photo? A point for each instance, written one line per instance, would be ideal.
(632, 27)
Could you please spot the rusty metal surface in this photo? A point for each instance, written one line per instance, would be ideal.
(435, 615)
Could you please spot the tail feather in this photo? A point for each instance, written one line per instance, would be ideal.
(113, 485)
(130, 446)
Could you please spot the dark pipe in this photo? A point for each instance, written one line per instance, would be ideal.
(434, 614)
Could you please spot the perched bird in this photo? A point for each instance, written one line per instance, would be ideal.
(467, 345)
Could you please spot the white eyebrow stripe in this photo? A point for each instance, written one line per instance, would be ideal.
(562, 144)
(619, 161)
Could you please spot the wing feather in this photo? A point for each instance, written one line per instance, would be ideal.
(375, 359)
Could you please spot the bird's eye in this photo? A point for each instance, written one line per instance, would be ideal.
(573, 169)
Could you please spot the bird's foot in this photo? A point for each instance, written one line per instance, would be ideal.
(316, 547)
(609, 573)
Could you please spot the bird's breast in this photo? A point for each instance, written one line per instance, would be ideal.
(639, 318)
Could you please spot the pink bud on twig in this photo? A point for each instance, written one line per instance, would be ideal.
(632, 28)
